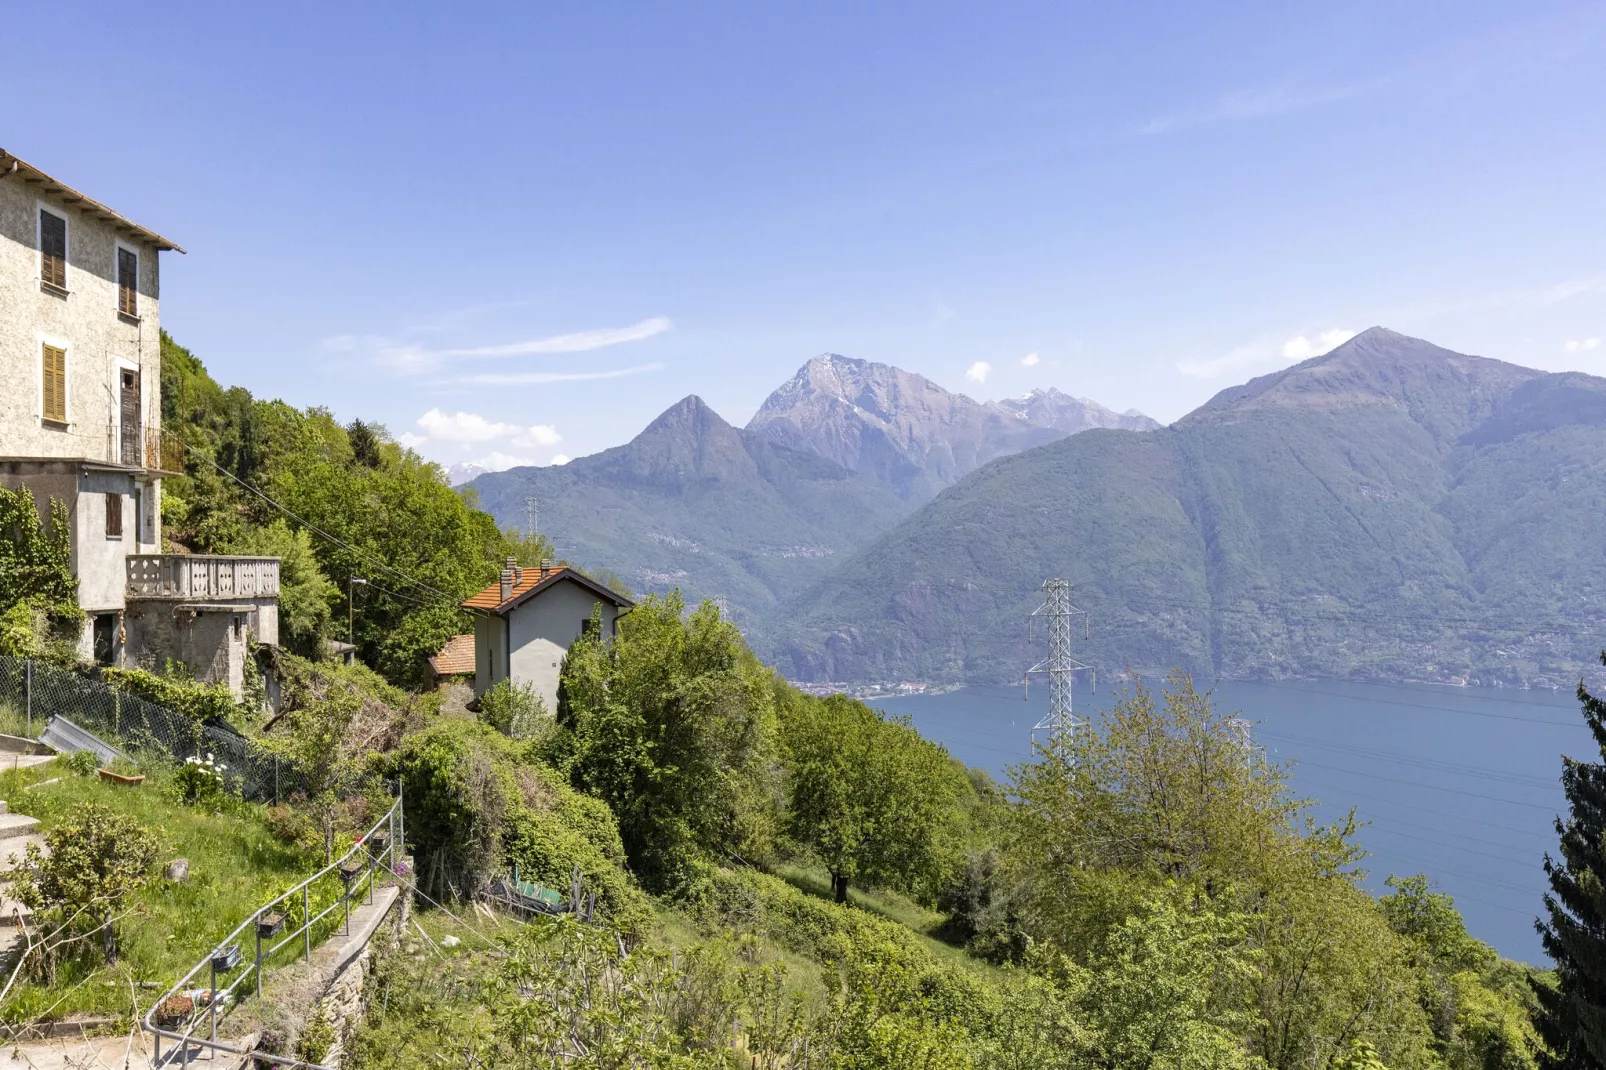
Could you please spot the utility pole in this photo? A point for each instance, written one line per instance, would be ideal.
(351, 612)
(531, 514)
(1242, 733)
(1060, 724)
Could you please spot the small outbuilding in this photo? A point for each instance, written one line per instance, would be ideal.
(525, 623)
(455, 660)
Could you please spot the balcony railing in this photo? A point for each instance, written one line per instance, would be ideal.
(164, 452)
(197, 577)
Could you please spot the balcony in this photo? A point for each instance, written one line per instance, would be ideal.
(164, 452)
(202, 577)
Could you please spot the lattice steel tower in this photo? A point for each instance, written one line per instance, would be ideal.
(532, 512)
(1060, 723)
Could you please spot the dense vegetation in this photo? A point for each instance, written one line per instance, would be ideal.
(781, 880)
(333, 501)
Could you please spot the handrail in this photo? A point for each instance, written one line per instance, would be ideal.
(395, 826)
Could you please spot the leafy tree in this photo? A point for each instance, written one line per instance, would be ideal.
(868, 795)
(305, 593)
(38, 594)
(1573, 1011)
(514, 709)
(97, 856)
(313, 733)
(673, 725)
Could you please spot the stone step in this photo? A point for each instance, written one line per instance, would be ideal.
(12, 852)
(15, 826)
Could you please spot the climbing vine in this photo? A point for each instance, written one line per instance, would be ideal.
(37, 591)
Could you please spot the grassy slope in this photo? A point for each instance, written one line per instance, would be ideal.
(235, 863)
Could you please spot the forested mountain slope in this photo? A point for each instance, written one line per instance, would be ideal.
(832, 459)
(1391, 509)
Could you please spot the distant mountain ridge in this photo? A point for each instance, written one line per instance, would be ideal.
(834, 457)
(1389, 510)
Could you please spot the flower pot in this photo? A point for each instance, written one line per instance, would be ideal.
(118, 778)
(174, 1011)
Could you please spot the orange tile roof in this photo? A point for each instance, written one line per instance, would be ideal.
(491, 597)
(455, 658)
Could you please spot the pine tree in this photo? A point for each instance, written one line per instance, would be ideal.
(1572, 1019)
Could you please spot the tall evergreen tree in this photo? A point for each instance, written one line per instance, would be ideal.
(1572, 1020)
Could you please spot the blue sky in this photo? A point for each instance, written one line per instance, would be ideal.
(522, 231)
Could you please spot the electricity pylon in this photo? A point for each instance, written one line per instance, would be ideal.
(531, 512)
(1060, 722)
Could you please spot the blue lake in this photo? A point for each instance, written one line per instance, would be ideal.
(1457, 783)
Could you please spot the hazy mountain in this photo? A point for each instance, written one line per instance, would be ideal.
(1391, 509)
(832, 459)
(464, 472)
(901, 427)
(1060, 411)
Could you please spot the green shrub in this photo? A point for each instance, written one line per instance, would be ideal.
(82, 762)
(515, 710)
(200, 782)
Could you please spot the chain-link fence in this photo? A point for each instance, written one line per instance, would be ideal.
(38, 692)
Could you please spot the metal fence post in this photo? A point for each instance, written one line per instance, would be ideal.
(257, 925)
(275, 780)
(27, 692)
(306, 920)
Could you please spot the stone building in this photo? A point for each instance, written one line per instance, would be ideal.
(525, 623)
(81, 423)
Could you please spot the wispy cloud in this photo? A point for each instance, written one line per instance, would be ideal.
(1581, 345)
(543, 378)
(979, 371)
(1263, 102)
(410, 357)
(1265, 353)
(464, 428)
(1031, 360)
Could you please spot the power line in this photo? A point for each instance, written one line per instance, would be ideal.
(332, 538)
(1420, 706)
(1432, 787)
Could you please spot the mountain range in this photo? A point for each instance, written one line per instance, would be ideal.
(1390, 510)
(834, 457)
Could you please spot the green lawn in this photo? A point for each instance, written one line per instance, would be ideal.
(235, 864)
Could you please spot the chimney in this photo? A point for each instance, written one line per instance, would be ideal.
(546, 567)
(507, 583)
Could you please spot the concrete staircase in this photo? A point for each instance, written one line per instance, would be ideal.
(16, 832)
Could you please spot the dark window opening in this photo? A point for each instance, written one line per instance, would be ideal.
(52, 249)
(590, 628)
(128, 418)
(127, 282)
(114, 516)
(105, 638)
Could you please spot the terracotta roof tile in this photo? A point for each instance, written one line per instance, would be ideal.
(455, 658)
(491, 598)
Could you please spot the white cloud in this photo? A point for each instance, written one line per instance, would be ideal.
(497, 461)
(560, 458)
(411, 358)
(1266, 353)
(542, 378)
(1582, 345)
(1031, 360)
(979, 371)
(538, 435)
(1301, 348)
(410, 440)
(463, 427)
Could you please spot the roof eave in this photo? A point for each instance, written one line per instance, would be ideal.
(10, 164)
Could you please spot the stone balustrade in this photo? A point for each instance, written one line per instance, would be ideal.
(202, 577)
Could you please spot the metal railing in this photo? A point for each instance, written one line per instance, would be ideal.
(164, 451)
(201, 576)
(269, 921)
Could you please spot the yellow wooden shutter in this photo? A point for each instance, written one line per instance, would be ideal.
(55, 384)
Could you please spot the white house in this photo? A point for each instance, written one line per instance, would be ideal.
(525, 623)
(81, 423)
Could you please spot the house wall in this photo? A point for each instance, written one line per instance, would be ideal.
(211, 642)
(85, 321)
(490, 652)
(542, 629)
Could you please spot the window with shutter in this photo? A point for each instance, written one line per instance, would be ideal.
(114, 516)
(52, 249)
(54, 388)
(127, 282)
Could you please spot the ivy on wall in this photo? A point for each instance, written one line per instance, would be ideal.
(38, 594)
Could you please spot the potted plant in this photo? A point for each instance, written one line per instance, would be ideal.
(173, 1011)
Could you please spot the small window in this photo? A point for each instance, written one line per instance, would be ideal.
(127, 282)
(54, 388)
(114, 516)
(590, 628)
(52, 249)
